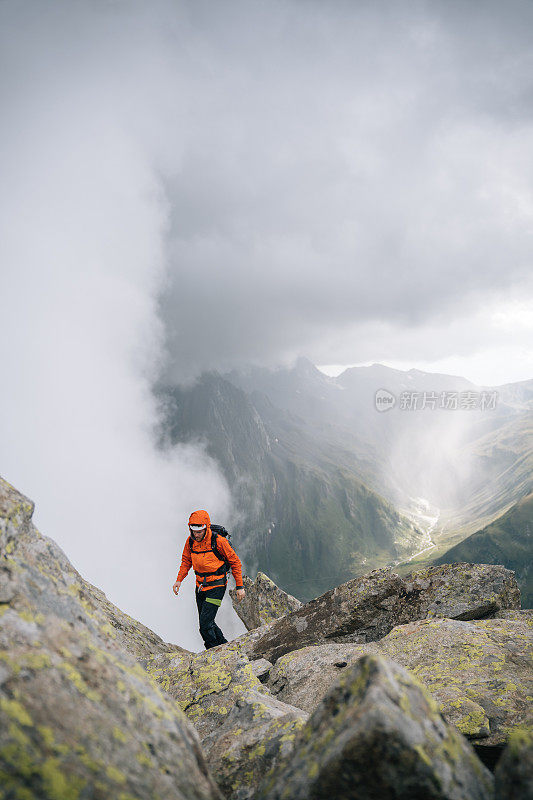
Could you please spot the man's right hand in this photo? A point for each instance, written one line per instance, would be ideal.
(176, 587)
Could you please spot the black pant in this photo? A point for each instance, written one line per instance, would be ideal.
(209, 630)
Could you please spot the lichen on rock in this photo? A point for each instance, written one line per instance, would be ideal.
(378, 729)
(79, 716)
(264, 601)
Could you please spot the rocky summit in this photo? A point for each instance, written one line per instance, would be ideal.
(383, 687)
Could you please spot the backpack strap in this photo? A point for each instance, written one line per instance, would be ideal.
(222, 570)
(214, 548)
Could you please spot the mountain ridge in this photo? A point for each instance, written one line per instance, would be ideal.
(314, 436)
(93, 704)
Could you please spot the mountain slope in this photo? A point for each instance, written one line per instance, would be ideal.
(304, 515)
(508, 541)
(468, 464)
(325, 486)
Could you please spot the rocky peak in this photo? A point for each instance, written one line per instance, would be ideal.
(408, 675)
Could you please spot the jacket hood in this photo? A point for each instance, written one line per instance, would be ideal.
(200, 517)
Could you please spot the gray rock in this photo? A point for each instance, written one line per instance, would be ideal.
(256, 735)
(34, 566)
(514, 771)
(378, 733)
(461, 591)
(263, 602)
(516, 614)
(303, 676)
(208, 684)
(365, 609)
(84, 688)
(243, 729)
(79, 716)
(480, 672)
(261, 669)
(364, 606)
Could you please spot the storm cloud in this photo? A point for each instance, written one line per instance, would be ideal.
(354, 172)
(194, 185)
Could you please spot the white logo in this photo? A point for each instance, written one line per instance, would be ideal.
(384, 400)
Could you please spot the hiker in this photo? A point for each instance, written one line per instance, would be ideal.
(211, 557)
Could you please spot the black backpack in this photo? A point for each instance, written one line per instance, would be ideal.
(216, 531)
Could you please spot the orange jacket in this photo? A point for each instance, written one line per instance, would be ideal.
(202, 559)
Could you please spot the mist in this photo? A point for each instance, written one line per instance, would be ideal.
(83, 259)
(188, 186)
(358, 188)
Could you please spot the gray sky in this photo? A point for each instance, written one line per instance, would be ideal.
(358, 187)
(195, 185)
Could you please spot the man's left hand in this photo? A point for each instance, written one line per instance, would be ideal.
(240, 593)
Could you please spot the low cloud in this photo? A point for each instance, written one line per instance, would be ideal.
(193, 185)
(83, 238)
(354, 168)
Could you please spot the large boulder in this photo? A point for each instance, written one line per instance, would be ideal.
(365, 609)
(524, 614)
(79, 720)
(258, 734)
(303, 676)
(514, 772)
(207, 685)
(263, 601)
(378, 733)
(461, 591)
(480, 672)
(244, 729)
(79, 716)
(34, 566)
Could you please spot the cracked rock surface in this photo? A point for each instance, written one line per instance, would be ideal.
(379, 730)
(263, 602)
(480, 671)
(382, 670)
(79, 716)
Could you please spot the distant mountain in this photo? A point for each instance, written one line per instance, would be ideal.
(508, 541)
(447, 456)
(500, 473)
(326, 486)
(304, 515)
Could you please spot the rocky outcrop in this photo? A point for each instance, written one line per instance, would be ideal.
(244, 729)
(460, 591)
(94, 704)
(480, 672)
(378, 729)
(263, 602)
(366, 609)
(34, 566)
(514, 773)
(208, 685)
(79, 717)
(257, 735)
(525, 614)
